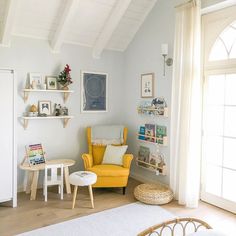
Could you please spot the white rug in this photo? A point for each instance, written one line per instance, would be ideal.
(128, 220)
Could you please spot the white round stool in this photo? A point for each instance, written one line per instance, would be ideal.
(82, 178)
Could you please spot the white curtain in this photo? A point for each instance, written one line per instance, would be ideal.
(185, 140)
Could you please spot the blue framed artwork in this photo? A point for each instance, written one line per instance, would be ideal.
(94, 92)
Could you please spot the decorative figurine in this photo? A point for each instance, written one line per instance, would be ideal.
(57, 109)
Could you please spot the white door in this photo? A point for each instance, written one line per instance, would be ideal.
(6, 135)
(219, 109)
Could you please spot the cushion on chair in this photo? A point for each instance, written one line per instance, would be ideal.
(114, 154)
(109, 170)
(98, 153)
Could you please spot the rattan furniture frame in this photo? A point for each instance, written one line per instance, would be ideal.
(171, 225)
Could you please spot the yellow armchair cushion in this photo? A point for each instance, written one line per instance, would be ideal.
(127, 159)
(98, 153)
(109, 170)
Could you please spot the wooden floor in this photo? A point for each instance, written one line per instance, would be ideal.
(34, 214)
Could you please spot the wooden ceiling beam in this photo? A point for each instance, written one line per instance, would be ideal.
(58, 37)
(110, 26)
(8, 22)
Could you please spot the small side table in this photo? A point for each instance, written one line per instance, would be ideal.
(33, 174)
(83, 178)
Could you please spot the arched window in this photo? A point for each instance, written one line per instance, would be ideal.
(224, 47)
(219, 108)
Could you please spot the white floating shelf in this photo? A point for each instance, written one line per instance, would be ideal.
(66, 93)
(64, 118)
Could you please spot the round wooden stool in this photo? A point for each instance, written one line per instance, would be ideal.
(82, 178)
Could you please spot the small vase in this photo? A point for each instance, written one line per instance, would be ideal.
(64, 87)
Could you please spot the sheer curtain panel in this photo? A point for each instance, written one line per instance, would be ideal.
(185, 140)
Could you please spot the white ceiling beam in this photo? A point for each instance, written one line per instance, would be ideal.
(110, 26)
(8, 22)
(58, 37)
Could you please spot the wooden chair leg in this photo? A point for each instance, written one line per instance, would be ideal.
(91, 195)
(74, 196)
(124, 188)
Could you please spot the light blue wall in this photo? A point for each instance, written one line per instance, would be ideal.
(29, 55)
(142, 56)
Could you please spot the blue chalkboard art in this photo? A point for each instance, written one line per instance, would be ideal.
(94, 92)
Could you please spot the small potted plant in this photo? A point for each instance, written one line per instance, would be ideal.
(64, 78)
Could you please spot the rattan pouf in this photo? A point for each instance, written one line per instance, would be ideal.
(155, 194)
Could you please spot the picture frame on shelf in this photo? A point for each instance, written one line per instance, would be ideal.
(35, 81)
(44, 108)
(51, 82)
(94, 92)
(147, 85)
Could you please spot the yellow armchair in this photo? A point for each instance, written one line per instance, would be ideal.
(108, 175)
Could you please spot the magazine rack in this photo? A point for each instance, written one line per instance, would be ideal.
(158, 141)
(156, 135)
(162, 170)
(156, 107)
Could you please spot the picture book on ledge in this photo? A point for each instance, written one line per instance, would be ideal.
(150, 132)
(160, 133)
(143, 155)
(35, 154)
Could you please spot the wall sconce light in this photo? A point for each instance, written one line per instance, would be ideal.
(164, 53)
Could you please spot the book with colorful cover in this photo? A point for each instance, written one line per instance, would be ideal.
(150, 132)
(142, 132)
(143, 155)
(35, 154)
(160, 133)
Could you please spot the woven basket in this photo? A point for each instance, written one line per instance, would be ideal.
(155, 194)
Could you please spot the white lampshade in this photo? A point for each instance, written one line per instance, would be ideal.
(164, 49)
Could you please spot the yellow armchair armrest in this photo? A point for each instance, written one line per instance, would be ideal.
(127, 158)
(88, 160)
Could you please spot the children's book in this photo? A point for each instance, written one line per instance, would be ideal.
(35, 154)
(150, 131)
(143, 154)
(142, 132)
(160, 133)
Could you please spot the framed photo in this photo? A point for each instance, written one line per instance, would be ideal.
(94, 92)
(45, 107)
(147, 85)
(51, 82)
(35, 81)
